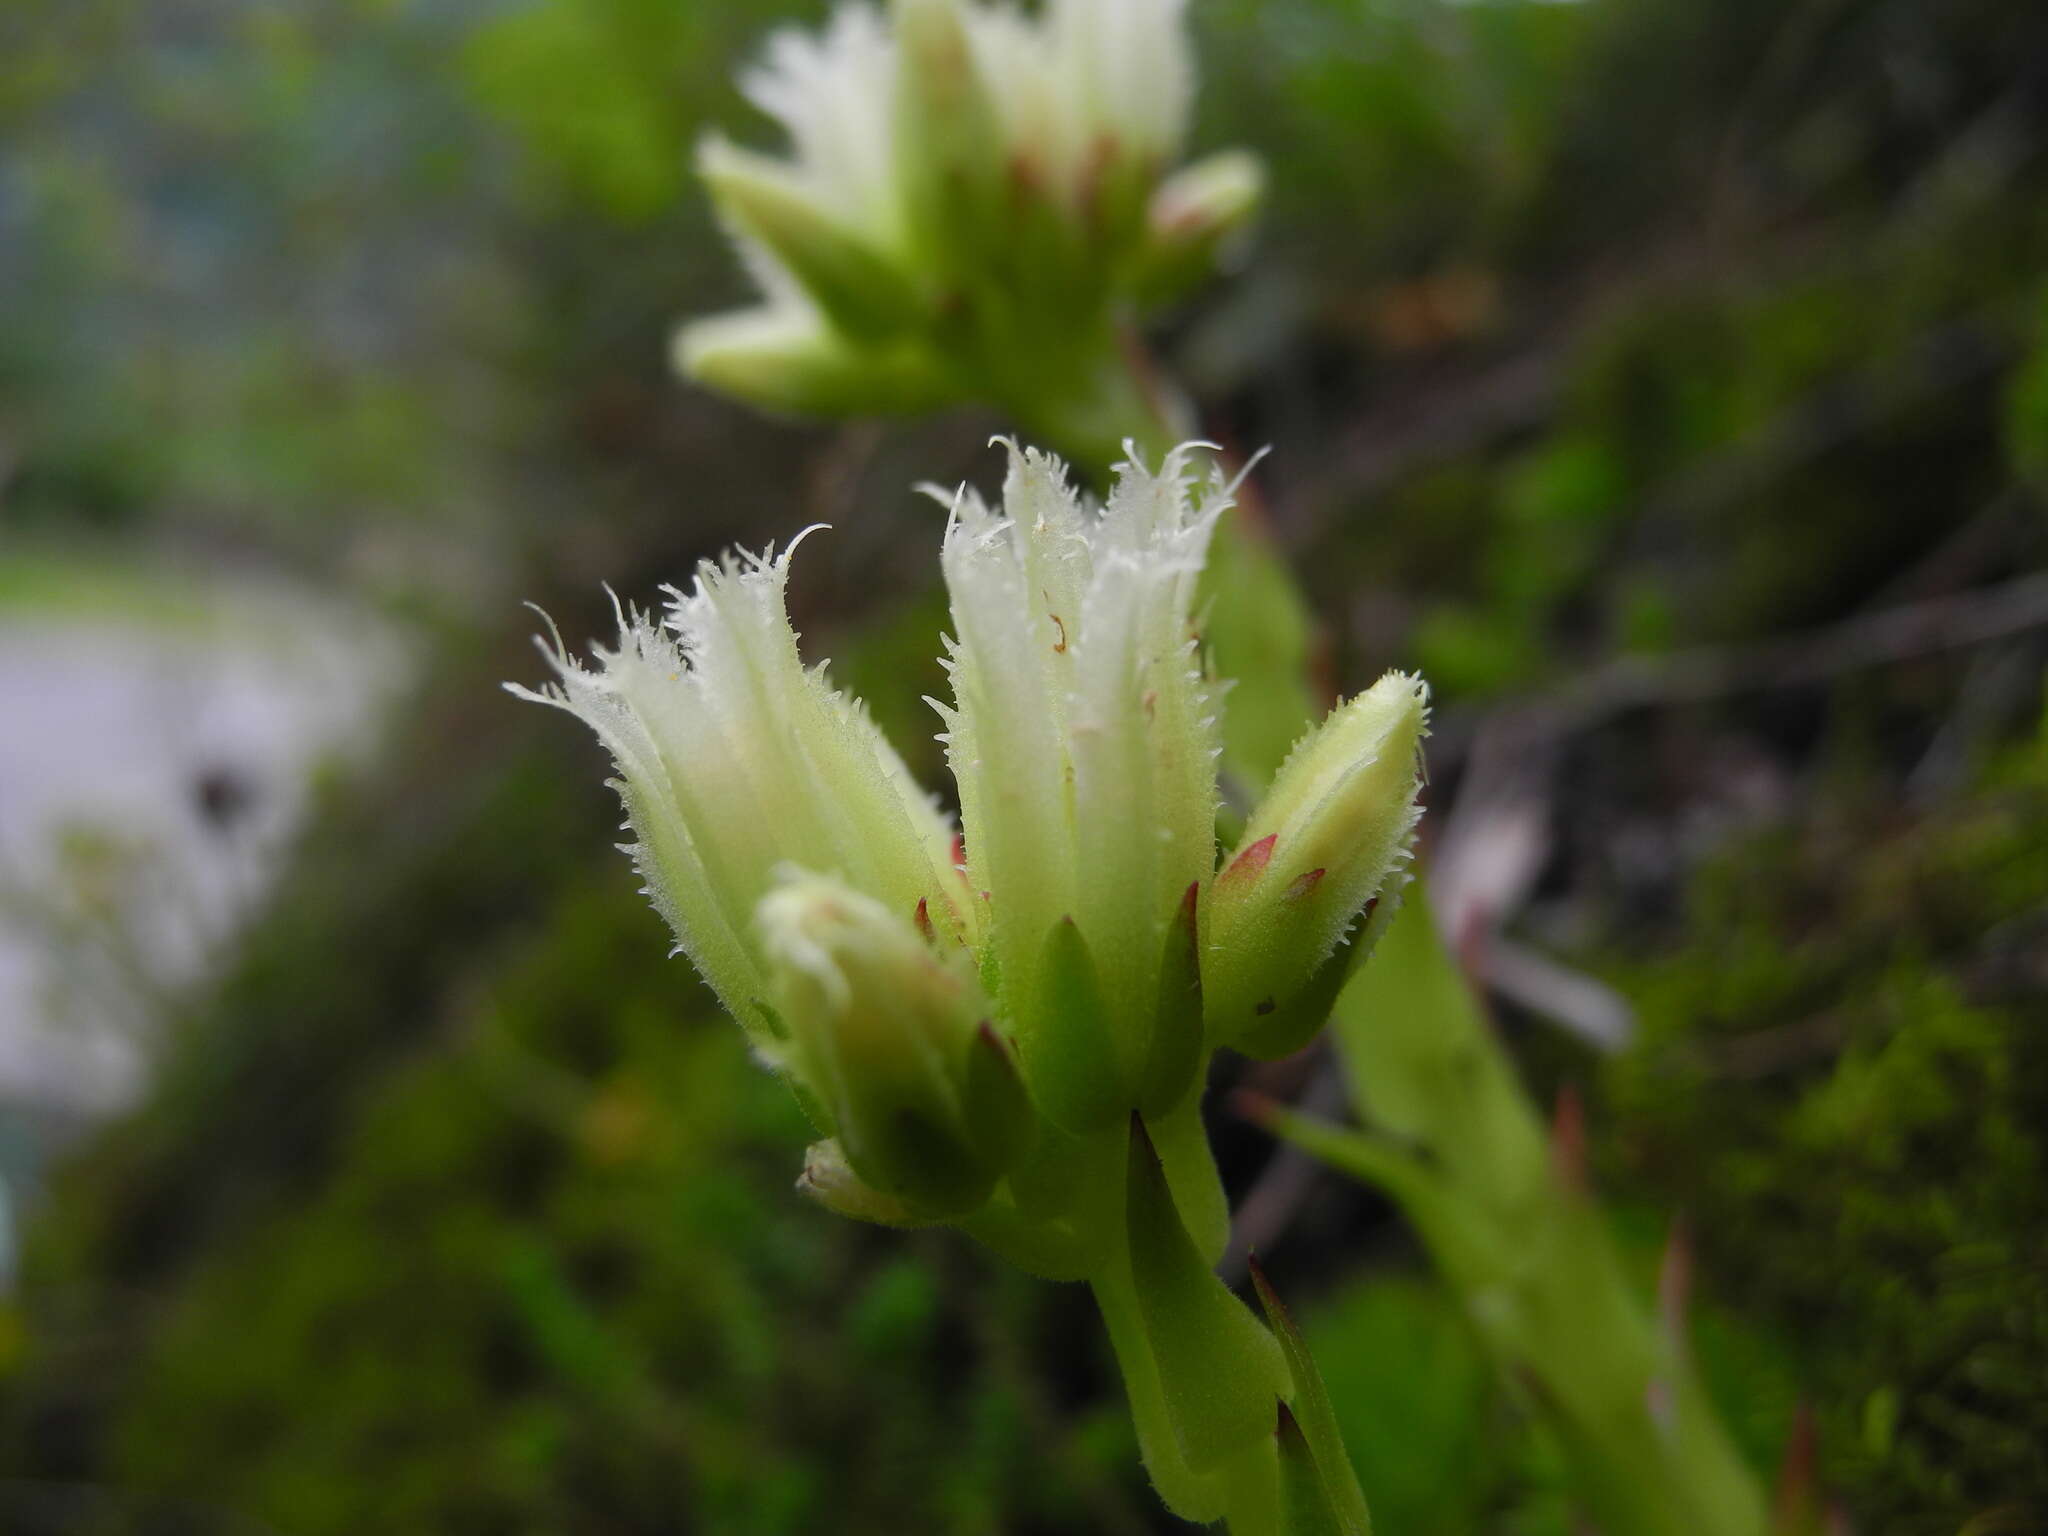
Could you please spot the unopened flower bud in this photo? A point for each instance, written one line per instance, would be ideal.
(1331, 834)
(892, 1037)
(830, 1180)
(1193, 218)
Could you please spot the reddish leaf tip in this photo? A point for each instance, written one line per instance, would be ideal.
(1303, 884)
(988, 1038)
(1251, 863)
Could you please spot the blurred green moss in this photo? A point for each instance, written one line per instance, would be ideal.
(1839, 1081)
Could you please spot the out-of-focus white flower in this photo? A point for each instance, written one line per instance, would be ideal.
(833, 95)
(953, 171)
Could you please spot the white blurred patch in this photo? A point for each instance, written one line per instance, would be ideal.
(152, 775)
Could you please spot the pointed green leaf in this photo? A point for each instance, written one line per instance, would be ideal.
(1316, 1420)
(1219, 1371)
(1305, 1507)
(1187, 1493)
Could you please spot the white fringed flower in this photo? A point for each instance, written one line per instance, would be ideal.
(735, 759)
(1082, 736)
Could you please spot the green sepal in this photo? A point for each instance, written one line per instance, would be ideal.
(1313, 1418)
(828, 1179)
(932, 1165)
(785, 358)
(815, 1109)
(1219, 1371)
(859, 287)
(1071, 1051)
(995, 1105)
(1175, 1055)
(1292, 1023)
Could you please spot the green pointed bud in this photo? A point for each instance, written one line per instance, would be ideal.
(859, 288)
(784, 358)
(1331, 835)
(1194, 218)
(1319, 1450)
(889, 1033)
(1219, 1371)
(1289, 1026)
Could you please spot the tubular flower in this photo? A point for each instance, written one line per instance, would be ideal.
(959, 1024)
(952, 167)
(722, 736)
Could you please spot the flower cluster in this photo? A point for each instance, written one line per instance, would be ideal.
(1007, 1029)
(957, 171)
(950, 1008)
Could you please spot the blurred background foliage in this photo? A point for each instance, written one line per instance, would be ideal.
(1621, 359)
